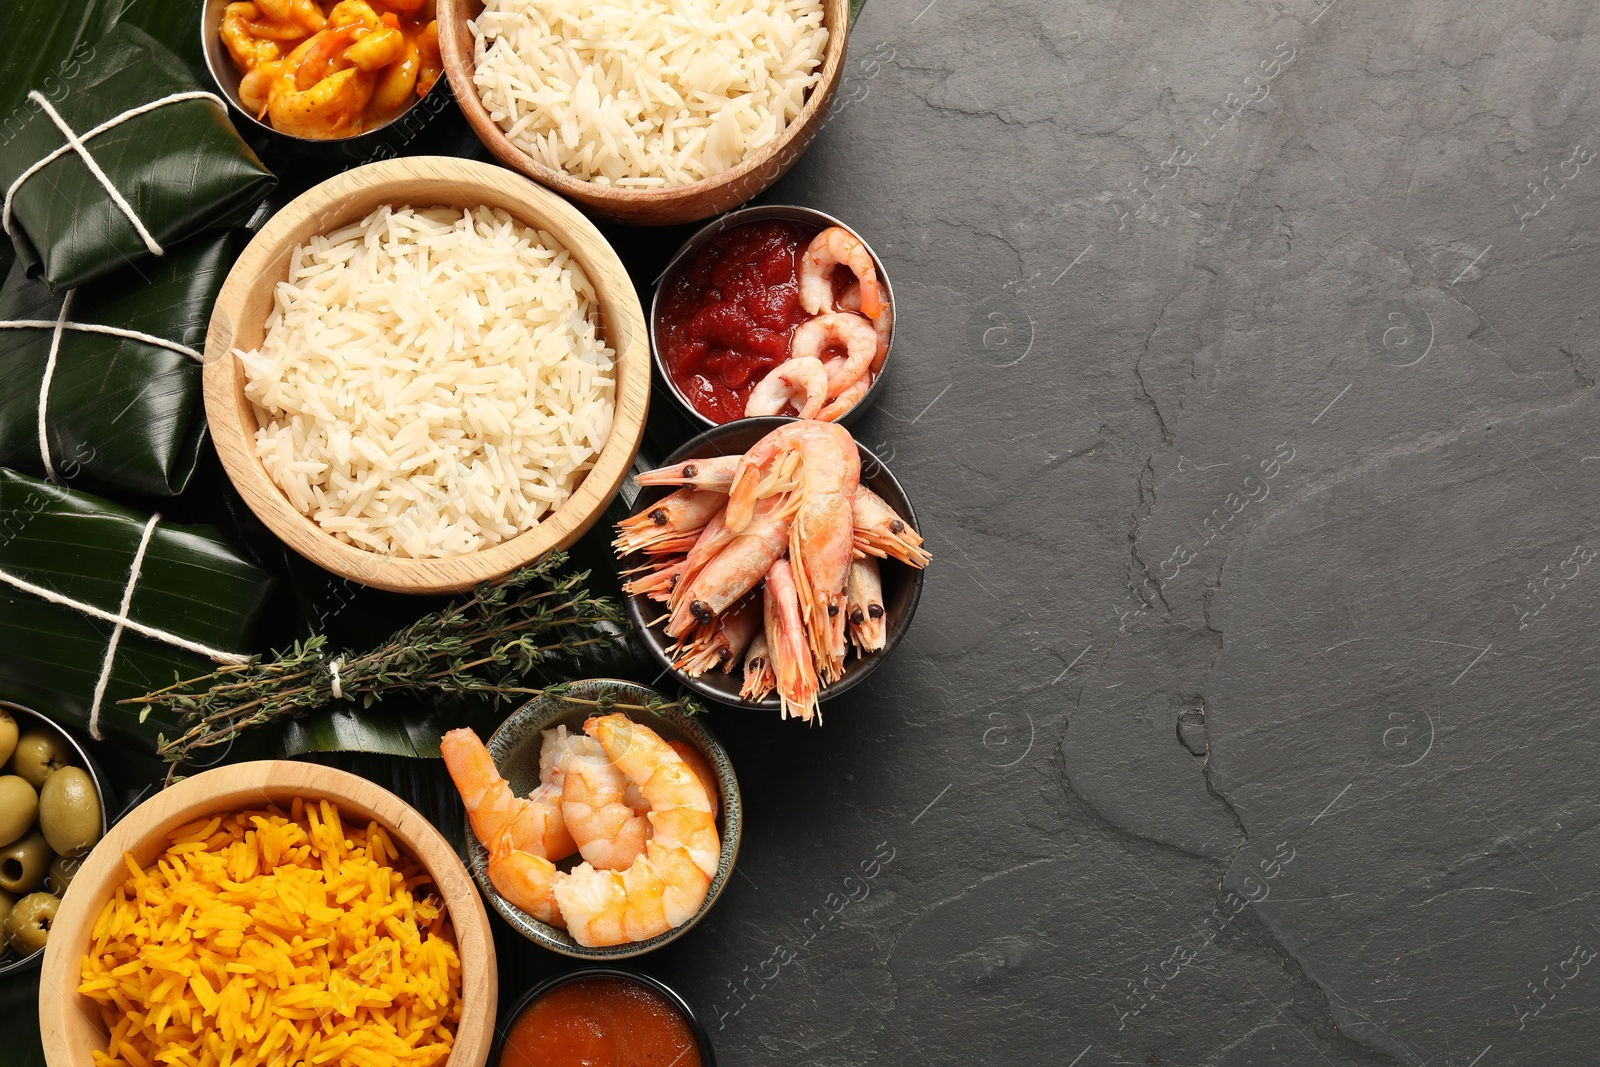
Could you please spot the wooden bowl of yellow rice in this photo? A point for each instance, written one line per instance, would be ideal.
(405, 964)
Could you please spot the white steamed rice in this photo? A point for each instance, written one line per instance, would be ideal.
(431, 382)
(650, 93)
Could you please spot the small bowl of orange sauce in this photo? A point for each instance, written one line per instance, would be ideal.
(603, 1017)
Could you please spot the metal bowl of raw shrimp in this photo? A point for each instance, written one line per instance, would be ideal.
(902, 584)
(515, 748)
(787, 213)
(380, 142)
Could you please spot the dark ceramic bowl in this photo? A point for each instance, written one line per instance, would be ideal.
(902, 585)
(375, 144)
(515, 748)
(702, 1038)
(30, 720)
(786, 213)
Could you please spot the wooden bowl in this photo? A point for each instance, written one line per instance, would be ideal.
(515, 747)
(648, 207)
(70, 1022)
(239, 321)
(902, 585)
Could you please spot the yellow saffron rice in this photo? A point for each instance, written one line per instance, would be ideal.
(260, 939)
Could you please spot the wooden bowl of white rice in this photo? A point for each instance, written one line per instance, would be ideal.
(651, 112)
(425, 373)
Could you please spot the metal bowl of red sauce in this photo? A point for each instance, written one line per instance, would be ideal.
(728, 305)
(603, 1015)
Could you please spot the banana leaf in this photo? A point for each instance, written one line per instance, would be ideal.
(123, 415)
(80, 547)
(179, 168)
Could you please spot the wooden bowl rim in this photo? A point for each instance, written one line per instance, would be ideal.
(452, 17)
(231, 788)
(345, 198)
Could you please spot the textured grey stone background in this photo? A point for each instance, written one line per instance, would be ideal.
(1245, 388)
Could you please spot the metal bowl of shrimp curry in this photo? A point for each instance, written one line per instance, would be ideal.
(362, 137)
(515, 748)
(902, 584)
(706, 392)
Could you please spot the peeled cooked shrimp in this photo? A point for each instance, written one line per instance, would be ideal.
(836, 247)
(720, 642)
(667, 884)
(702, 770)
(331, 107)
(878, 531)
(673, 524)
(792, 668)
(836, 329)
(882, 322)
(758, 677)
(714, 473)
(530, 824)
(800, 380)
(845, 400)
(430, 65)
(608, 832)
(303, 13)
(242, 41)
(734, 571)
(863, 606)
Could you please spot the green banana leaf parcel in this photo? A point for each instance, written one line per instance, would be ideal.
(123, 412)
(176, 168)
(66, 560)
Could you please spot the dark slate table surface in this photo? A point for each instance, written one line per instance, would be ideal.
(1245, 388)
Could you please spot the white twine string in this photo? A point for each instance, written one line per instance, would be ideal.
(120, 622)
(116, 631)
(109, 331)
(75, 143)
(44, 387)
(338, 689)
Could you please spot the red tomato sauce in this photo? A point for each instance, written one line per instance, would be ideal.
(728, 315)
(601, 1022)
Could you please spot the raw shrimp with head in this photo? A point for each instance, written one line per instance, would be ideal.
(665, 886)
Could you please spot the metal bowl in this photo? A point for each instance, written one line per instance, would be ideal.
(27, 719)
(702, 1038)
(375, 144)
(515, 749)
(902, 585)
(787, 213)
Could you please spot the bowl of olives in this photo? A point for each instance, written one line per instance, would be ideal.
(51, 815)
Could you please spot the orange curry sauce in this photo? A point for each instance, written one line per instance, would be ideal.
(601, 1022)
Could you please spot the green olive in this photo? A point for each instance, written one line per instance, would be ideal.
(19, 806)
(62, 868)
(69, 811)
(38, 753)
(8, 735)
(28, 926)
(7, 902)
(23, 864)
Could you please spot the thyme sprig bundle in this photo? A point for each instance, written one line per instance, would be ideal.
(486, 644)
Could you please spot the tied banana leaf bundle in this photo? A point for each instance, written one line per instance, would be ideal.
(487, 645)
(101, 389)
(99, 602)
(128, 158)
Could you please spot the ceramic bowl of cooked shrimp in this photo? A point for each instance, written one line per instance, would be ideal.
(342, 79)
(773, 310)
(772, 564)
(602, 823)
